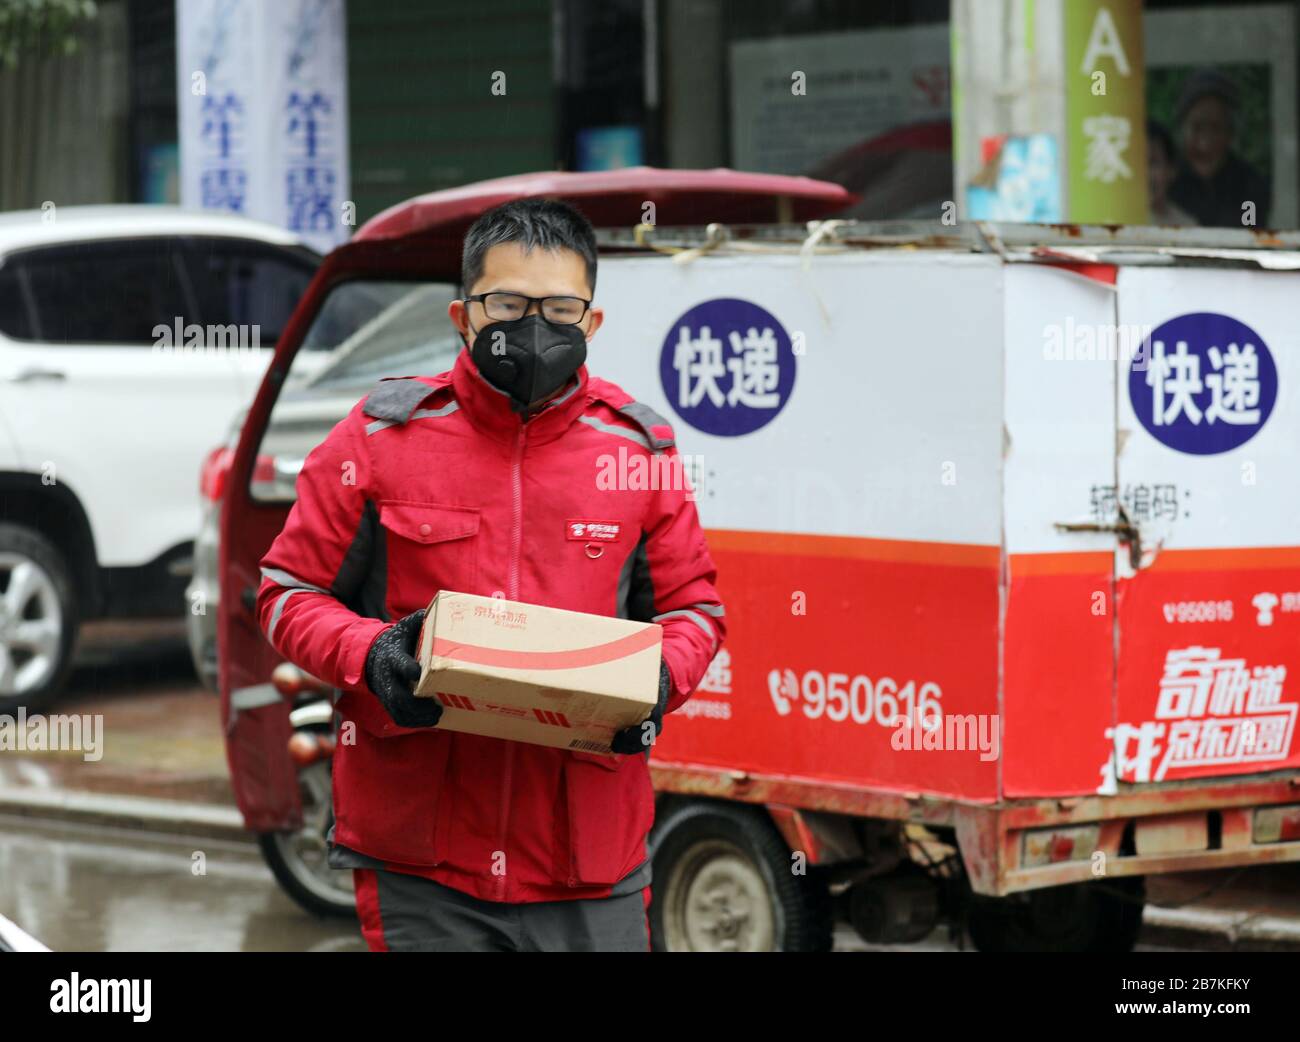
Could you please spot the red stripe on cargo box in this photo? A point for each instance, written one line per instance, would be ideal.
(579, 657)
(550, 716)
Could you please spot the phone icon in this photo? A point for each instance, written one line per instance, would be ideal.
(784, 688)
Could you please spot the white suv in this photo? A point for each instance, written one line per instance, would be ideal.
(129, 337)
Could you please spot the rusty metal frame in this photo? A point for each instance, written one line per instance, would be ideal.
(989, 834)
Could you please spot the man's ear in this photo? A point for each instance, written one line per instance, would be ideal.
(459, 316)
(597, 317)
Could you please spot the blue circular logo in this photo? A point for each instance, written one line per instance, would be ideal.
(1203, 383)
(727, 367)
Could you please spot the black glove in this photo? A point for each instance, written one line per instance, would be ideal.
(639, 738)
(392, 672)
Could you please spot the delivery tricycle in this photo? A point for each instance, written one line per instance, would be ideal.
(1004, 521)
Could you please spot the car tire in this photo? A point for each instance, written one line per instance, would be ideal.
(723, 881)
(35, 587)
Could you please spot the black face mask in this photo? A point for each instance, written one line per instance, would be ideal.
(528, 358)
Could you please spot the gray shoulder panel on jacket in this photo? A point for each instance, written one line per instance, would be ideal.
(647, 419)
(395, 400)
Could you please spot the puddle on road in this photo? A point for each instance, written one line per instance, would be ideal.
(88, 889)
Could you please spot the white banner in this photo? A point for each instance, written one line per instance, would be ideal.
(262, 99)
(856, 86)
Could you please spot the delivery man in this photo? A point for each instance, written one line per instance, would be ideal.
(505, 476)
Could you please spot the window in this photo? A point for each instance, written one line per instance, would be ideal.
(366, 329)
(110, 292)
(251, 285)
(15, 314)
(401, 329)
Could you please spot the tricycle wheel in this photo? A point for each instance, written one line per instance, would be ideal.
(298, 859)
(1080, 917)
(723, 881)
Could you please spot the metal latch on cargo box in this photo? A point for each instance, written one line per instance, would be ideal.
(1124, 528)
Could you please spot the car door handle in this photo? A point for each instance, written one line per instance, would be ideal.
(28, 376)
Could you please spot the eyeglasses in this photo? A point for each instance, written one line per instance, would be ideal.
(506, 307)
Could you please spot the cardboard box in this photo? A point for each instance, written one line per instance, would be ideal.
(535, 674)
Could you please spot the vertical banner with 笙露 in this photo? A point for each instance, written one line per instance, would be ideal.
(263, 119)
(306, 86)
(1105, 112)
(216, 82)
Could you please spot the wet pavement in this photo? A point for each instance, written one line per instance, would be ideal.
(161, 731)
(81, 888)
(81, 885)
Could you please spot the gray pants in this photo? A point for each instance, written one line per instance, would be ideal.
(401, 912)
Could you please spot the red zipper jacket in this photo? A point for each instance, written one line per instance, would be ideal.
(431, 483)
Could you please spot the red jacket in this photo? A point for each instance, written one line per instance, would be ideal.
(434, 482)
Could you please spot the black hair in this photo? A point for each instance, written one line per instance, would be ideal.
(545, 223)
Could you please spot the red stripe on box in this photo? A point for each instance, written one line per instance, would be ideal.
(550, 716)
(593, 656)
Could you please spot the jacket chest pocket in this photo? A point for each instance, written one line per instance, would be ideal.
(431, 547)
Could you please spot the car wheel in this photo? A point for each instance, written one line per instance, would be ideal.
(723, 882)
(38, 621)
